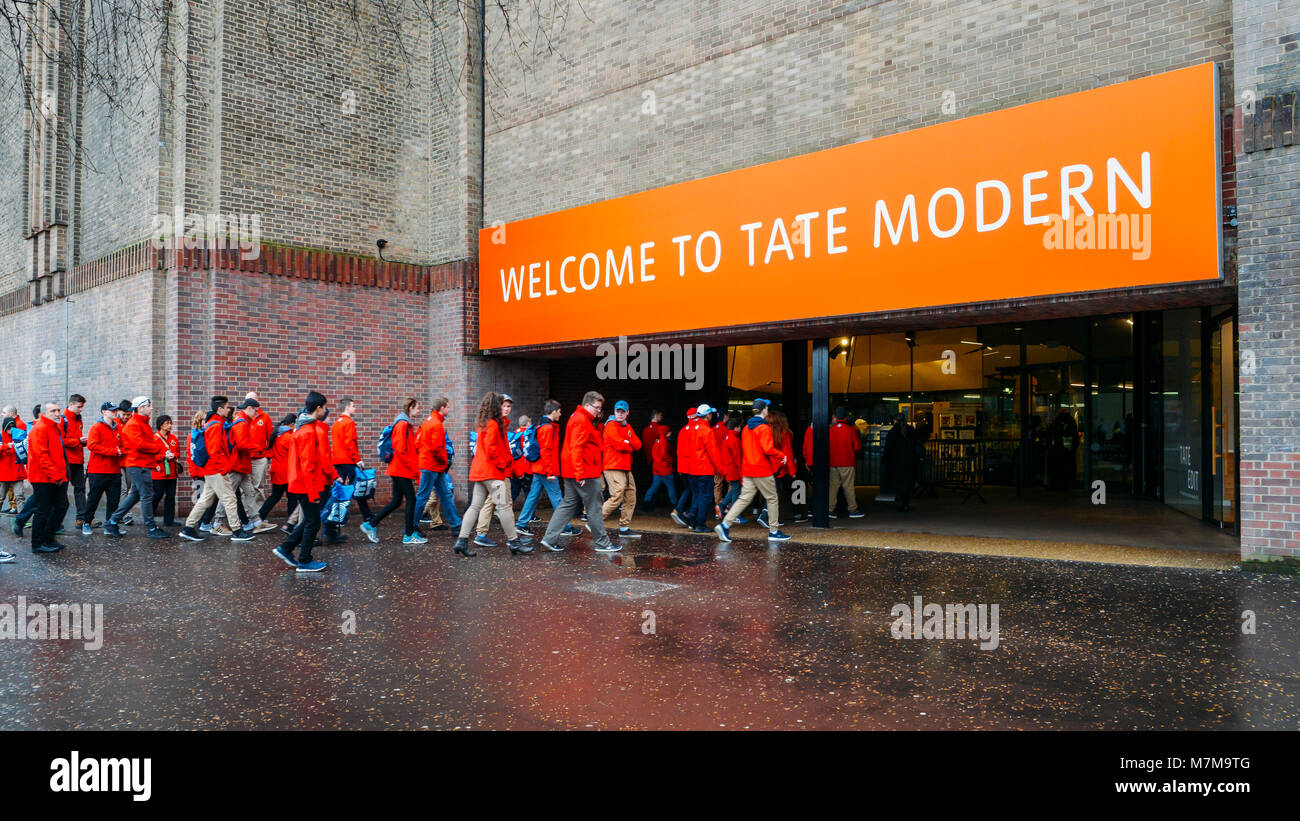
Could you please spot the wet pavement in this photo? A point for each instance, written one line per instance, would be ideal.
(675, 632)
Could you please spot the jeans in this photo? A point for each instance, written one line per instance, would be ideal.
(437, 481)
(576, 499)
(730, 497)
(102, 485)
(540, 483)
(142, 492)
(51, 505)
(695, 504)
(665, 482)
(403, 492)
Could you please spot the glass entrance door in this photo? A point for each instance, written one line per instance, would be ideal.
(1223, 418)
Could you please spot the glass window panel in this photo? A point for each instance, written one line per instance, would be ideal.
(1181, 350)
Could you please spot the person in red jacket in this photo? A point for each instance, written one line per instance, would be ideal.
(344, 452)
(435, 466)
(404, 471)
(731, 458)
(248, 436)
(12, 472)
(141, 451)
(760, 460)
(311, 475)
(278, 472)
(699, 460)
(215, 472)
(685, 448)
(846, 442)
(720, 485)
(103, 470)
(165, 472)
(74, 443)
(488, 473)
(546, 470)
(580, 467)
(47, 470)
(620, 442)
(263, 427)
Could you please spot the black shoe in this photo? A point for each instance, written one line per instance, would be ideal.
(462, 547)
(158, 533)
(170, 524)
(113, 531)
(698, 529)
(48, 548)
(339, 539)
(245, 535)
(521, 544)
(441, 527)
(186, 533)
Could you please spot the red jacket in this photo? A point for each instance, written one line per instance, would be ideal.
(581, 458)
(218, 447)
(279, 472)
(343, 439)
(432, 443)
(160, 470)
(492, 458)
(520, 468)
(406, 459)
(731, 455)
(787, 447)
(311, 467)
(140, 447)
(549, 462)
(808, 447)
(10, 469)
(246, 441)
(620, 442)
(845, 444)
(105, 448)
(263, 426)
(700, 456)
(759, 454)
(649, 435)
(72, 437)
(47, 461)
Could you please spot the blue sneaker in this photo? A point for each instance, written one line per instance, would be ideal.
(724, 532)
(414, 538)
(741, 520)
(609, 548)
(777, 536)
(87, 530)
(762, 520)
(314, 566)
(678, 519)
(484, 541)
(285, 556)
(6, 557)
(570, 530)
(554, 548)
(371, 533)
(205, 528)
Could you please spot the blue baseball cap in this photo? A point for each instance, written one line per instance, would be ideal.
(108, 406)
(761, 403)
(621, 405)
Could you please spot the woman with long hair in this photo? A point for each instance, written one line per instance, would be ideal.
(404, 470)
(783, 440)
(489, 473)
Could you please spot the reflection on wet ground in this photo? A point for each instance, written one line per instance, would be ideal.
(677, 631)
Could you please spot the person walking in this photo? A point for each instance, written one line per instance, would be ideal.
(311, 475)
(620, 442)
(845, 446)
(731, 459)
(141, 451)
(74, 441)
(344, 452)
(431, 443)
(760, 460)
(13, 473)
(262, 430)
(103, 471)
(28, 510)
(701, 462)
(546, 470)
(278, 472)
(488, 473)
(47, 469)
(215, 470)
(681, 512)
(404, 471)
(580, 467)
(165, 472)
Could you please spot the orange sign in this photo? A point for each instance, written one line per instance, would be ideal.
(1110, 188)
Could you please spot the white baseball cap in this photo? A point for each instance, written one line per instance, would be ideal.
(140, 401)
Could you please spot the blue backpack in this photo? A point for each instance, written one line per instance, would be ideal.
(532, 448)
(19, 437)
(515, 438)
(199, 445)
(386, 444)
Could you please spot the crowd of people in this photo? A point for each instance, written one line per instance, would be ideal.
(129, 457)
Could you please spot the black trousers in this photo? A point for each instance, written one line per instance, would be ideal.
(105, 485)
(77, 479)
(277, 492)
(403, 492)
(51, 507)
(304, 535)
(164, 490)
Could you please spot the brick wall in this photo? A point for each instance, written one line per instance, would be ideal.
(1266, 35)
